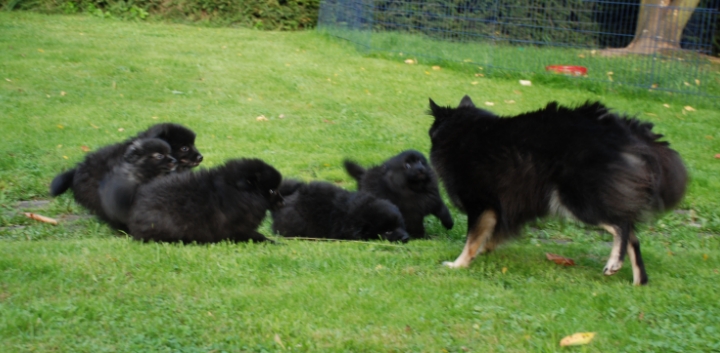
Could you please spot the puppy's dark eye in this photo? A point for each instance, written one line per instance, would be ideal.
(272, 192)
(158, 156)
(184, 148)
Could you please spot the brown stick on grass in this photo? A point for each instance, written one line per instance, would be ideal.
(40, 218)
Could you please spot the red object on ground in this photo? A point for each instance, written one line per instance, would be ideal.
(567, 69)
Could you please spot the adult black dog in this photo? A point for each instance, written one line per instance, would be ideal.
(585, 163)
(223, 203)
(407, 181)
(144, 160)
(323, 210)
(85, 178)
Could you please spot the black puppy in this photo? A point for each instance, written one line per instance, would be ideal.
(407, 181)
(143, 161)
(223, 203)
(584, 163)
(85, 178)
(323, 210)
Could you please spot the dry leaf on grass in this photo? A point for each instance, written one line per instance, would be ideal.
(410, 61)
(85, 148)
(577, 339)
(479, 75)
(278, 341)
(689, 108)
(261, 118)
(436, 67)
(717, 156)
(525, 82)
(666, 105)
(40, 218)
(489, 103)
(560, 260)
(510, 101)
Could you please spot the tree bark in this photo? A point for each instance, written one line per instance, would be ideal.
(660, 26)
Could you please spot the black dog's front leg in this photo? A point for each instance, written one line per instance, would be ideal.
(443, 213)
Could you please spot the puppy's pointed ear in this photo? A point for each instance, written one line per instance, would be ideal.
(466, 102)
(434, 109)
(133, 153)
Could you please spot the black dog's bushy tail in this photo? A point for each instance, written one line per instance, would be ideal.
(289, 186)
(672, 176)
(62, 182)
(355, 170)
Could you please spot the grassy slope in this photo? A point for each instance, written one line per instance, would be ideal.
(76, 287)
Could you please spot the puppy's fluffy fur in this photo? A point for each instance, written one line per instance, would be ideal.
(223, 203)
(85, 178)
(407, 181)
(585, 163)
(323, 210)
(143, 161)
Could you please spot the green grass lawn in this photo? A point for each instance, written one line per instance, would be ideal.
(68, 82)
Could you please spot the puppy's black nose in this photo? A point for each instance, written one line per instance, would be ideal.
(199, 158)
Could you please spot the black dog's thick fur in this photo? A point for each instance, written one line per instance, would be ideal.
(323, 210)
(143, 161)
(85, 178)
(407, 181)
(586, 163)
(223, 203)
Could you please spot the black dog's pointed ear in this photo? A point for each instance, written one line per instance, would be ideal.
(133, 153)
(466, 102)
(434, 108)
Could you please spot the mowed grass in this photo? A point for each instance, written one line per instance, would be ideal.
(68, 82)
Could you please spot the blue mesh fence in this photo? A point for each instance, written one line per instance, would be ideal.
(657, 47)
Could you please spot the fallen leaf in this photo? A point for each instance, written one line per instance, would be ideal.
(40, 50)
(60, 126)
(474, 83)
(8, 80)
(525, 82)
(479, 75)
(689, 108)
(560, 260)
(697, 82)
(62, 93)
(40, 218)
(85, 148)
(427, 73)
(577, 339)
(154, 118)
(717, 156)
(666, 105)
(278, 341)
(121, 129)
(59, 146)
(705, 257)
(581, 56)
(261, 118)
(65, 157)
(379, 267)
(510, 101)
(610, 73)
(489, 103)
(654, 85)
(686, 84)
(410, 61)
(436, 67)
(504, 269)
(281, 116)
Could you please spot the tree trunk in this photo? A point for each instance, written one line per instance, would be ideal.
(660, 26)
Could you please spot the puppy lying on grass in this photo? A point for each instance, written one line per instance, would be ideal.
(323, 210)
(143, 161)
(85, 178)
(223, 203)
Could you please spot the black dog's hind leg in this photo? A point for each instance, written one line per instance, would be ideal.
(625, 241)
(480, 230)
(638, 267)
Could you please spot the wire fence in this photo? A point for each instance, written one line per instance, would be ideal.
(666, 48)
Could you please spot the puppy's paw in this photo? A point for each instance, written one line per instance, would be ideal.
(613, 265)
(454, 264)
